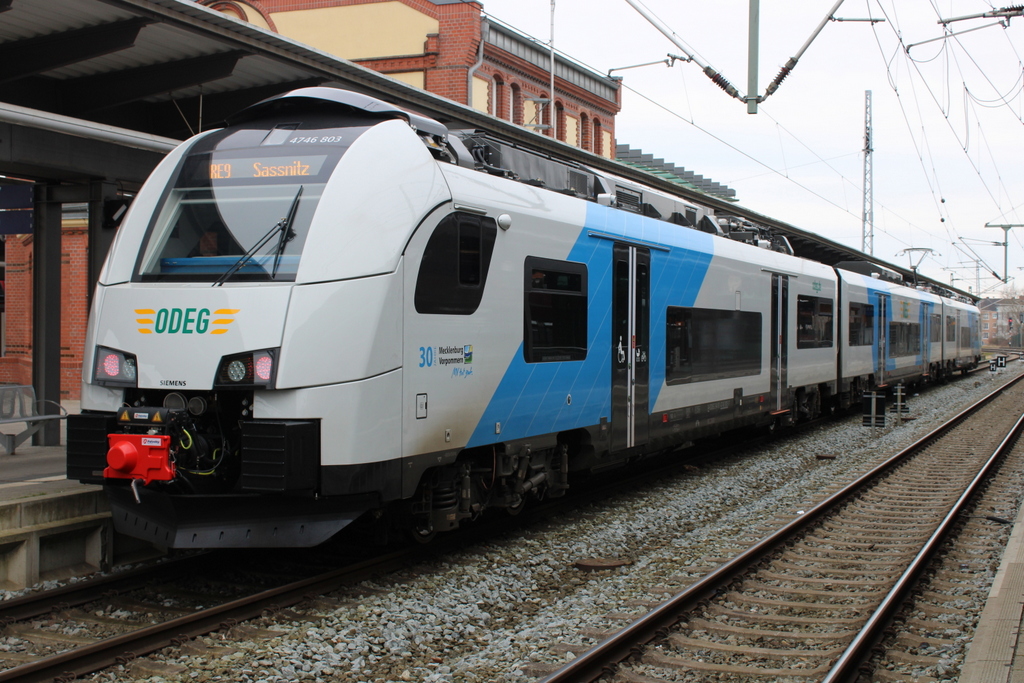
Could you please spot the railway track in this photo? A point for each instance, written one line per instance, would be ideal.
(91, 625)
(812, 601)
(81, 628)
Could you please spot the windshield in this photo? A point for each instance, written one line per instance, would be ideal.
(231, 192)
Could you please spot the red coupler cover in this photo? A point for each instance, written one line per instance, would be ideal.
(139, 456)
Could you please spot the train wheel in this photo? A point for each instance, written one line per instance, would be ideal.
(422, 535)
(513, 510)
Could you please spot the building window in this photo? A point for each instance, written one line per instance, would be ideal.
(585, 132)
(597, 138)
(517, 105)
(500, 98)
(862, 324)
(813, 322)
(706, 344)
(454, 267)
(555, 311)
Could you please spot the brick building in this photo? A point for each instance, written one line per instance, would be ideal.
(451, 49)
(1001, 321)
(16, 363)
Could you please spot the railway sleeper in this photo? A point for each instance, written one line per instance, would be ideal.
(761, 618)
(696, 665)
(687, 643)
(727, 629)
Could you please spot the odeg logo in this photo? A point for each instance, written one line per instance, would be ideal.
(184, 320)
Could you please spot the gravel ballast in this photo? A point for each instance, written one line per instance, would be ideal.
(509, 609)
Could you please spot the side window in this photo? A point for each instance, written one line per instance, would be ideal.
(813, 322)
(706, 344)
(950, 328)
(454, 267)
(555, 311)
(904, 339)
(965, 337)
(936, 328)
(862, 324)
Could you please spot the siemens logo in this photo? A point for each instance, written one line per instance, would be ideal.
(184, 320)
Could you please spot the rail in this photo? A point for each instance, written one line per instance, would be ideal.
(603, 657)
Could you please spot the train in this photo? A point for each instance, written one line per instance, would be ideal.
(335, 309)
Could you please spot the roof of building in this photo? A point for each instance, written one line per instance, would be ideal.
(537, 53)
(674, 174)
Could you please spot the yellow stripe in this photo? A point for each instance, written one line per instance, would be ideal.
(143, 330)
(144, 311)
(218, 331)
(226, 311)
(223, 321)
(144, 321)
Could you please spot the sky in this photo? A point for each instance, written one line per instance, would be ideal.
(947, 116)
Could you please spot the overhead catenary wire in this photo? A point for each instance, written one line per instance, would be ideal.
(765, 165)
(921, 132)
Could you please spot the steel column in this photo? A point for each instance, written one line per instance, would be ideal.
(46, 309)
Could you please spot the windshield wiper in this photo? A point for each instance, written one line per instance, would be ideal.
(286, 234)
(282, 227)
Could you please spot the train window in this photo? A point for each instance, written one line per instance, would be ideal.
(555, 308)
(813, 322)
(936, 331)
(470, 241)
(950, 328)
(862, 324)
(454, 266)
(242, 202)
(965, 338)
(904, 339)
(706, 344)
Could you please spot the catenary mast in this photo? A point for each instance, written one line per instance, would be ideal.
(868, 222)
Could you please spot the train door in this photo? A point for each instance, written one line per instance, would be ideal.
(780, 338)
(926, 337)
(883, 337)
(630, 346)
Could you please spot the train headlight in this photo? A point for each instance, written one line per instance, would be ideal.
(252, 369)
(237, 370)
(114, 368)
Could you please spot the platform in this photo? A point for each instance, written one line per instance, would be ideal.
(50, 527)
(996, 654)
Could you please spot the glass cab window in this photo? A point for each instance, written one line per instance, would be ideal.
(241, 204)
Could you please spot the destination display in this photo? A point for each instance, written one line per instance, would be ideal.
(266, 167)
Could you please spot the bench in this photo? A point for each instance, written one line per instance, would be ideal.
(19, 404)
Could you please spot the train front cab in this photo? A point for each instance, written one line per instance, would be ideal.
(316, 297)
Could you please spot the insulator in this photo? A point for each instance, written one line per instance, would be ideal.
(719, 80)
(783, 73)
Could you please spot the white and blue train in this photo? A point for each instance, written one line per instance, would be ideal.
(333, 308)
